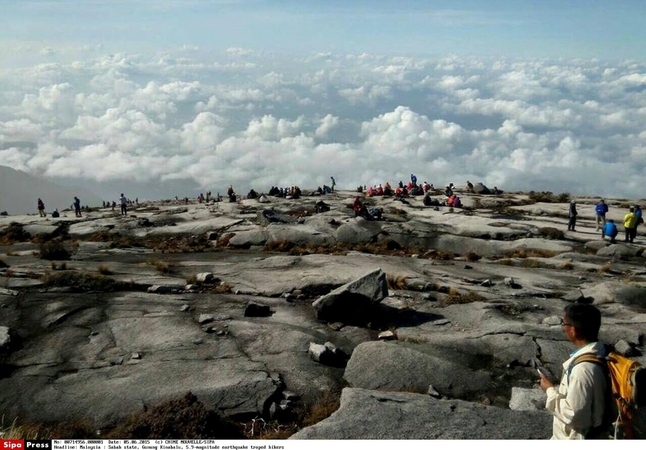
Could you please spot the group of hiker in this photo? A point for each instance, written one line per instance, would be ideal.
(631, 221)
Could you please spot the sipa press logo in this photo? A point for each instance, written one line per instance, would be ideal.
(12, 444)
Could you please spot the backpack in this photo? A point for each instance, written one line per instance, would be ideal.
(627, 383)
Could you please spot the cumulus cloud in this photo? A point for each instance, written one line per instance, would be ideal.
(257, 120)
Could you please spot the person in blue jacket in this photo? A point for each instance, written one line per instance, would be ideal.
(638, 213)
(601, 209)
(610, 230)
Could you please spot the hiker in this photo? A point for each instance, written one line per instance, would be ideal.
(610, 230)
(41, 208)
(232, 195)
(413, 180)
(55, 214)
(469, 186)
(428, 201)
(630, 225)
(357, 206)
(600, 210)
(333, 184)
(124, 205)
(572, 215)
(638, 213)
(77, 207)
(114, 205)
(578, 402)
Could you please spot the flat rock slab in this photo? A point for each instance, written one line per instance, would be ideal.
(368, 414)
(105, 395)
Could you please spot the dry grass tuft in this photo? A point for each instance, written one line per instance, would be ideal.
(161, 266)
(567, 265)
(104, 270)
(396, 281)
(606, 268)
(454, 297)
(473, 257)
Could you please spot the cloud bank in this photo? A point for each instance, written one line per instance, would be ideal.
(256, 120)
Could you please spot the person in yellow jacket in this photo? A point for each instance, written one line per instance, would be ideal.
(630, 225)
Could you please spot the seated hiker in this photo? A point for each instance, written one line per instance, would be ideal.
(56, 213)
(451, 200)
(321, 206)
(380, 190)
(370, 192)
(376, 213)
(327, 189)
(428, 201)
(610, 230)
(457, 203)
(388, 191)
(469, 186)
(252, 194)
(426, 187)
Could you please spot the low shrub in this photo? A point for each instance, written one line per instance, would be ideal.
(473, 257)
(454, 297)
(14, 233)
(83, 282)
(551, 233)
(549, 197)
(185, 417)
(55, 250)
(396, 281)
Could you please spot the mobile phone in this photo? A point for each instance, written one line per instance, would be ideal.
(542, 371)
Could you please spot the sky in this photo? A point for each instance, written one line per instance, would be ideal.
(177, 97)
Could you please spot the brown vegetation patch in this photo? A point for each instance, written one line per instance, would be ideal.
(537, 253)
(84, 282)
(549, 197)
(396, 281)
(104, 270)
(473, 257)
(454, 297)
(13, 234)
(223, 240)
(186, 417)
(551, 233)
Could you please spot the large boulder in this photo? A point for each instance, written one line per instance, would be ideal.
(366, 414)
(396, 367)
(481, 189)
(616, 292)
(352, 302)
(621, 251)
(5, 339)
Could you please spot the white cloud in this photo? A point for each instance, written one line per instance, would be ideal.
(259, 120)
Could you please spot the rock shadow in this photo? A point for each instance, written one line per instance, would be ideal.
(385, 316)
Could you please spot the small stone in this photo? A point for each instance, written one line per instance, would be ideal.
(289, 395)
(136, 356)
(414, 255)
(297, 292)
(432, 392)
(387, 335)
(287, 296)
(487, 283)
(336, 326)
(466, 266)
(205, 318)
(198, 341)
(237, 292)
(185, 308)
(254, 309)
(94, 333)
(625, 348)
(441, 322)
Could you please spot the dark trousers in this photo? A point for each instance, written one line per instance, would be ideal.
(124, 210)
(571, 223)
(630, 234)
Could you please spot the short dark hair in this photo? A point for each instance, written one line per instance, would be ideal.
(586, 319)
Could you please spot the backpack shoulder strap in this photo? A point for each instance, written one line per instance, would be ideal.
(587, 357)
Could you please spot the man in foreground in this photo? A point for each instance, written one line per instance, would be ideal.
(578, 402)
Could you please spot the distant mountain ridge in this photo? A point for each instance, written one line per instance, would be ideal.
(19, 193)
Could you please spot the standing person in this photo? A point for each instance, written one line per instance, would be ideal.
(578, 402)
(413, 179)
(77, 207)
(572, 215)
(601, 209)
(638, 213)
(333, 183)
(124, 205)
(630, 225)
(41, 208)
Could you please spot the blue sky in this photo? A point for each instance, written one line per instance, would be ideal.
(174, 97)
(546, 28)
